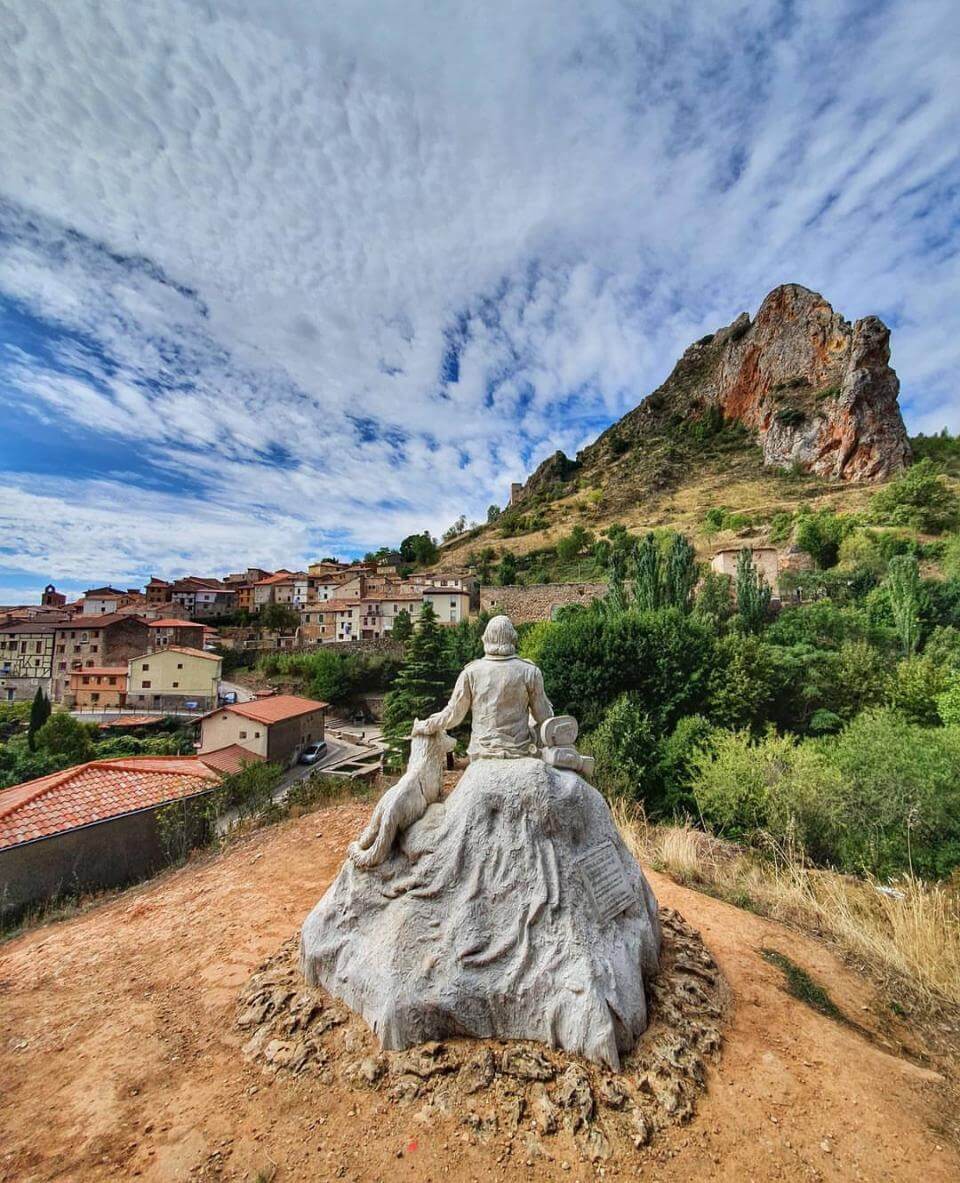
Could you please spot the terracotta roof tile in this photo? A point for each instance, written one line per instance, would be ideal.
(275, 708)
(173, 622)
(95, 792)
(230, 759)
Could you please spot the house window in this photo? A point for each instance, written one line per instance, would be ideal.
(94, 697)
(179, 665)
(146, 684)
(256, 735)
(242, 734)
(175, 685)
(145, 666)
(85, 680)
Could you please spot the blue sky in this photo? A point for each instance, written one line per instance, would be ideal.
(280, 279)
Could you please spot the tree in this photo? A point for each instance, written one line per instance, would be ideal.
(420, 687)
(456, 529)
(715, 598)
(507, 570)
(279, 617)
(920, 498)
(65, 737)
(680, 575)
(40, 711)
(485, 564)
(419, 549)
(402, 626)
(753, 593)
(902, 586)
(493, 512)
(573, 544)
(820, 535)
(647, 574)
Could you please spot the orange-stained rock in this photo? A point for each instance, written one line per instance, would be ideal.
(817, 392)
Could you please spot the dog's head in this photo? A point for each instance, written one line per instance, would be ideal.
(427, 748)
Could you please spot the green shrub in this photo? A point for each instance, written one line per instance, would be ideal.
(899, 805)
(921, 498)
(913, 689)
(948, 701)
(775, 785)
(820, 535)
(592, 657)
(883, 796)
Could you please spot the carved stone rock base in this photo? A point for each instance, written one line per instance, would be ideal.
(523, 1090)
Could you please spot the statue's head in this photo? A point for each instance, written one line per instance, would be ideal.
(500, 637)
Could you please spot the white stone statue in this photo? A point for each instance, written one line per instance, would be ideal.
(407, 801)
(503, 691)
(511, 910)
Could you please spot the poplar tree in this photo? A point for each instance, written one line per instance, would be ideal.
(680, 576)
(903, 593)
(753, 593)
(647, 575)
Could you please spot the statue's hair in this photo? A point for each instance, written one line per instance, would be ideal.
(500, 637)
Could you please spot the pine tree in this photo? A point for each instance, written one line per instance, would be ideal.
(753, 593)
(680, 576)
(647, 575)
(402, 626)
(39, 714)
(420, 688)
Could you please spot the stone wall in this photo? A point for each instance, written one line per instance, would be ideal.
(108, 854)
(538, 601)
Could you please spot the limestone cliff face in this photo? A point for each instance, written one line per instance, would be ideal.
(818, 391)
(813, 390)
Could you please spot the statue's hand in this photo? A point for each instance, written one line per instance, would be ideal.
(426, 726)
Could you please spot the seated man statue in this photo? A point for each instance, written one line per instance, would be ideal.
(503, 691)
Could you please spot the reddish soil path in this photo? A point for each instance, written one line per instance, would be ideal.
(119, 1058)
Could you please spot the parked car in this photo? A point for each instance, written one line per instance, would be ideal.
(229, 697)
(312, 752)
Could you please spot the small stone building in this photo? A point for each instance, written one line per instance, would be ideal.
(98, 688)
(766, 559)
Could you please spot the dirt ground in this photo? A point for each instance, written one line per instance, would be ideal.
(120, 1058)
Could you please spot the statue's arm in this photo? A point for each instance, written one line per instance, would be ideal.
(540, 705)
(453, 713)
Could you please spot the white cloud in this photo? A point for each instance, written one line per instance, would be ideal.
(253, 223)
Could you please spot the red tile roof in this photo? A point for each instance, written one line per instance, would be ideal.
(110, 670)
(100, 620)
(173, 622)
(95, 792)
(186, 649)
(230, 759)
(275, 708)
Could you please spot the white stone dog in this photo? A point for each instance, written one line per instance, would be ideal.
(407, 801)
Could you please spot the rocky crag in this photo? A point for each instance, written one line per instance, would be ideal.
(816, 392)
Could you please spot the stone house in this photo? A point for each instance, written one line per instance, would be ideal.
(101, 641)
(98, 688)
(26, 660)
(766, 559)
(158, 592)
(171, 631)
(175, 678)
(276, 729)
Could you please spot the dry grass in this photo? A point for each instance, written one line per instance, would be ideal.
(908, 933)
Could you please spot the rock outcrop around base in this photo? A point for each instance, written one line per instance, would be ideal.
(513, 910)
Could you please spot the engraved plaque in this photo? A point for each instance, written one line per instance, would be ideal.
(606, 881)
